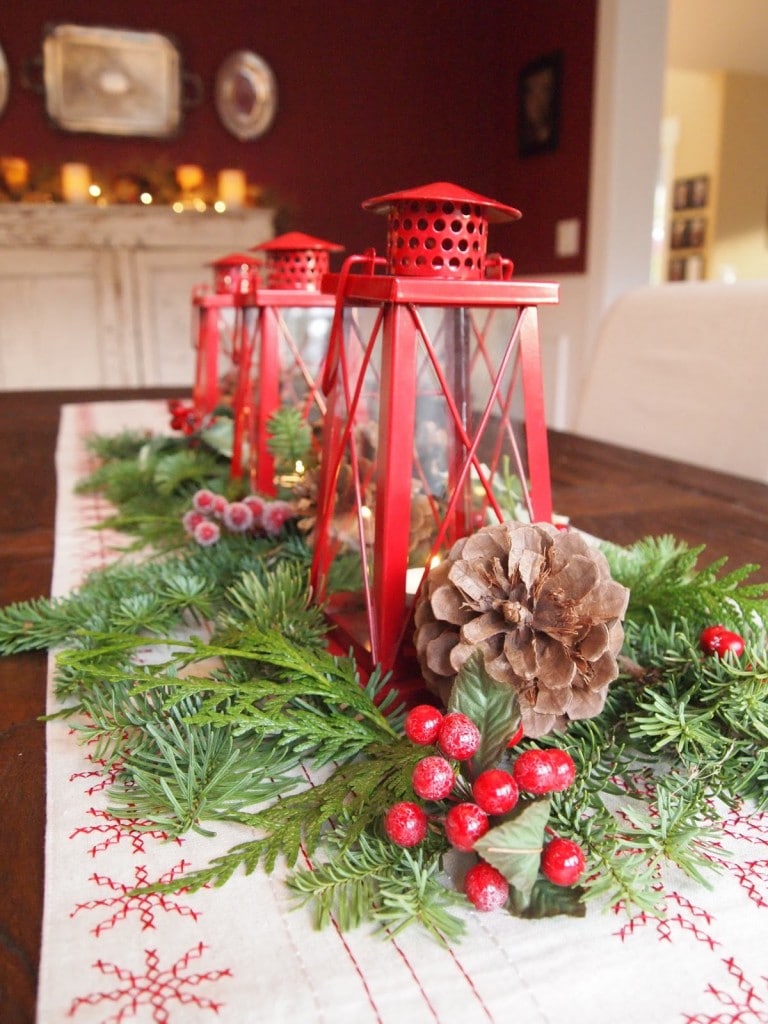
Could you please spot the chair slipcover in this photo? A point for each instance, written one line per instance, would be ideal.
(681, 370)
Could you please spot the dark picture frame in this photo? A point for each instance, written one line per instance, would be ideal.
(540, 86)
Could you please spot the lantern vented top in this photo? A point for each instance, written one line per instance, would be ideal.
(439, 230)
(296, 260)
(236, 273)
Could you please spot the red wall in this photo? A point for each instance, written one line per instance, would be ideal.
(373, 97)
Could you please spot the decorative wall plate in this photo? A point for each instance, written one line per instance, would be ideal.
(111, 81)
(245, 95)
(3, 81)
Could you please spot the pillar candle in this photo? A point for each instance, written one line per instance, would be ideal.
(75, 182)
(232, 187)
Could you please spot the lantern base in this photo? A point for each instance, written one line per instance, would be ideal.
(348, 635)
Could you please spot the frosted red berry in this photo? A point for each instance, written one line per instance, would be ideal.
(433, 778)
(544, 771)
(563, 862)
(422, 724)
(458, 737)
(405, 823)
(464, 825)
(485, 887)
(718, 640)
(495, 791)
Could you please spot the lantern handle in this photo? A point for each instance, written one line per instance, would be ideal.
(498, 267)
(336, 334)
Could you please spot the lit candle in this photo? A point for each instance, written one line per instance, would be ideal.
(232, 187)
(189, 177)
(75, 182)
(15, 172)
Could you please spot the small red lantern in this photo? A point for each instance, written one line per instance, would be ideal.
(220, 329)
(421, 444)
(281, 363)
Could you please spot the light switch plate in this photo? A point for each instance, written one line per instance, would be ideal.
(568, 237)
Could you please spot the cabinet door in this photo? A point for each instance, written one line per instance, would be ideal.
(61, 324)
(165, 279)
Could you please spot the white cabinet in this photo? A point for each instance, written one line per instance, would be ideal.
(101, 296)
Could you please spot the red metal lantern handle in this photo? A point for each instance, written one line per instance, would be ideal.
(335, 339)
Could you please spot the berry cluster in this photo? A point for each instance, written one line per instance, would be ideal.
(495, 793)
(250, 514)
(183, 416)
(719, 641)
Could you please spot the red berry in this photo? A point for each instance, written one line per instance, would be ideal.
(544, 771)
(515, 739)
(464, 825)
(486, 887)
(422, 724)
(433, 778)
(458, 737)
(405, 824)
(563, 862)
(495, 791)
(718, 640)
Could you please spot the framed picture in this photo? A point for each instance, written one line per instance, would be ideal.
(112, 82)
(691, 193)
(539, 98)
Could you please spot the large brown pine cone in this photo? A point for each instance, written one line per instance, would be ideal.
(540, 605)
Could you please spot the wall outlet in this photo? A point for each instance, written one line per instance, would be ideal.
(568, 237)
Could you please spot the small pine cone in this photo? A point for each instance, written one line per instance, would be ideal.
(541, 607)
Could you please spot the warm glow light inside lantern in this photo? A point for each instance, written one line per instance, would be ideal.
(435, 420)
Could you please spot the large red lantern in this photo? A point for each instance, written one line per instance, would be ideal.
(220, 329)
(435, 412)
(281, 361)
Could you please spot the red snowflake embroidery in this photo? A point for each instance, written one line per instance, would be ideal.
(156, 988)
(106, 776)
(688, 918)
(118, 829)
(127, 901)
(744, 1006)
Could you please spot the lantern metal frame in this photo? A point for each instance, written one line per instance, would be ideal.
(235, 281)
(379, 628)
(294, 266)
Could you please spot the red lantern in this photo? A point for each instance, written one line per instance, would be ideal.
(221, 327)
(281, 362)
(430, 350)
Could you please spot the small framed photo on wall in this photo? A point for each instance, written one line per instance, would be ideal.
(539, 99)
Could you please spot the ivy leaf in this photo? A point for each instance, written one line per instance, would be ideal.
(548, 900)
(514, 848)
(492, 706)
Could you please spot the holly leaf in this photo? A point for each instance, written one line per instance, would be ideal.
(514, 848)
(491, 705)
(548, 900)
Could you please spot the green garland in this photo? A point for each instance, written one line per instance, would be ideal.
(244, 693)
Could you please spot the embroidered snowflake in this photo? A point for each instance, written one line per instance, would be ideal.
(115, 830)
(126, 901)
(158, 988)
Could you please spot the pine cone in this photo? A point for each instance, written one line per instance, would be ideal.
(541, 607)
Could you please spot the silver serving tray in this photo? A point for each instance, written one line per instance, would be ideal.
(111, 81)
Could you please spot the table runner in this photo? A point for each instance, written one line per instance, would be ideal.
(241, 954)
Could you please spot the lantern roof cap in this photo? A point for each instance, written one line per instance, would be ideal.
(443, 191)
(235, 259)
(297, 240)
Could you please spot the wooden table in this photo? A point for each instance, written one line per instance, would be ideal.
(611, 492)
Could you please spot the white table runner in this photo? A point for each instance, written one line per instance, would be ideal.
(239, 954)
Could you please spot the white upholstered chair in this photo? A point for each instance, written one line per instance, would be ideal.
(681, 370)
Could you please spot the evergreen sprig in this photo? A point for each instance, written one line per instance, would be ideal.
(376, 882)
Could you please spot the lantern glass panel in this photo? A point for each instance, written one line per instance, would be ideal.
(444, 416)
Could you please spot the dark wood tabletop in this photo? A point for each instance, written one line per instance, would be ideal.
(614, 493)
